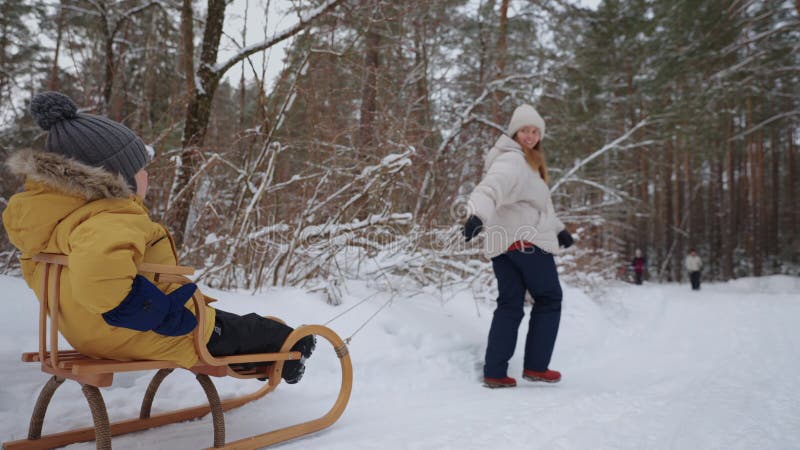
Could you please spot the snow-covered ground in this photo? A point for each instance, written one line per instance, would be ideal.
(653, 366)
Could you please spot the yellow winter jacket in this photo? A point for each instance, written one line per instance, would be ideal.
(92, 216)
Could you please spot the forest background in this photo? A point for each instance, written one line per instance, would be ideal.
(670, 125)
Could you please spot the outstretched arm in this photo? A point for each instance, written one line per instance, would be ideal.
(494, 189)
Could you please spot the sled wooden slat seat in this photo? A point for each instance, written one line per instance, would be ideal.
(93, 373)
(79, 364)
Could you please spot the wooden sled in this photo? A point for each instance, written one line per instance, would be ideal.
(96, 373)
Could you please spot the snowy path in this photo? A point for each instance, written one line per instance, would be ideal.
(654, 366)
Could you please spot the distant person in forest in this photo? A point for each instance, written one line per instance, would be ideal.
(693, 264)
(639, 265)
(512, 202)
(83, 197)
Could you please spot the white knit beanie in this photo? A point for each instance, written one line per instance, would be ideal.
(523, 116)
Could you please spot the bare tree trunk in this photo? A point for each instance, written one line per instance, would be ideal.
(731, 207)
(52, 83)
(421, 108)
(791, 197)
(143, 121)
(644, 198)
(677, 254)
(717, 213)
(752, 195)
(774, 195)
(369, 90)
(743, 225)
(760, 206)
(691, 239)
(187, 46)
(751, 231)
(242, 84)
(108, 77)
(484, 34)
(668, 209)
(3, 56)
(500, 65)
(116, 107)
(198, 112)
(420, 132)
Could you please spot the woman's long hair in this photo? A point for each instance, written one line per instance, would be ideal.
(535, 158)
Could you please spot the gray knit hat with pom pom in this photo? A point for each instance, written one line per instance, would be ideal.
(93, 140)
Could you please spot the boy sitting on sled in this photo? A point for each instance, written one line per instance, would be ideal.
(83, 198)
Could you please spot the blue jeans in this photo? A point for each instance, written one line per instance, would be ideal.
(533, 270)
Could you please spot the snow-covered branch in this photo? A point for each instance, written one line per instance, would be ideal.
(616, 194)
(220, 68)
(489, 123)
(390, 164)
(757, 127)
(126, 15)
(611, 145)
(82, 11)
(200, 171)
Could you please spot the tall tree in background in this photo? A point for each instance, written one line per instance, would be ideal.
(111, 20)
(18, 47)
(208, 75)
(369, 97)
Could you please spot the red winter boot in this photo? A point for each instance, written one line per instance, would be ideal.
(548, 376)
(499, 382)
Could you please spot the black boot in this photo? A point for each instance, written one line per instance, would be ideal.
(293, 370)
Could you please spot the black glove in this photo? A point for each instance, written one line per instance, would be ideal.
(565, 239)
(472, 227)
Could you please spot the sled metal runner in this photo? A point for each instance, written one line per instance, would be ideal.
(93, 374)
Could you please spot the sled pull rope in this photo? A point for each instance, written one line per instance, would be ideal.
(365, 299)
(350, 308)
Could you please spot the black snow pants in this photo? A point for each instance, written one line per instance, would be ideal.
(695, 277)
(235, 335)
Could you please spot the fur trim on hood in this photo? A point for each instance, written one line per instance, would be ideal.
(68, 175)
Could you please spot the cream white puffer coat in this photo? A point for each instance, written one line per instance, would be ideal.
(513, 202)
(693, 263)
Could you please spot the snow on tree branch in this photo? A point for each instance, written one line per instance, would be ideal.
(220, 68)
(757, 127)
(126, 15)
(80, 10)
(612, 145)
(390, 164)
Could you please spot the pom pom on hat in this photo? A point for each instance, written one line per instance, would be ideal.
(49, 108)
(523, 116)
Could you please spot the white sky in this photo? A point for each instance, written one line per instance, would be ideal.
(593, 4)
(275, 21)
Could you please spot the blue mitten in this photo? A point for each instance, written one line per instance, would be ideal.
(147, 308)
(179, 319)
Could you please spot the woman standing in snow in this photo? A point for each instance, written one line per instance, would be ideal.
(512, 203)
